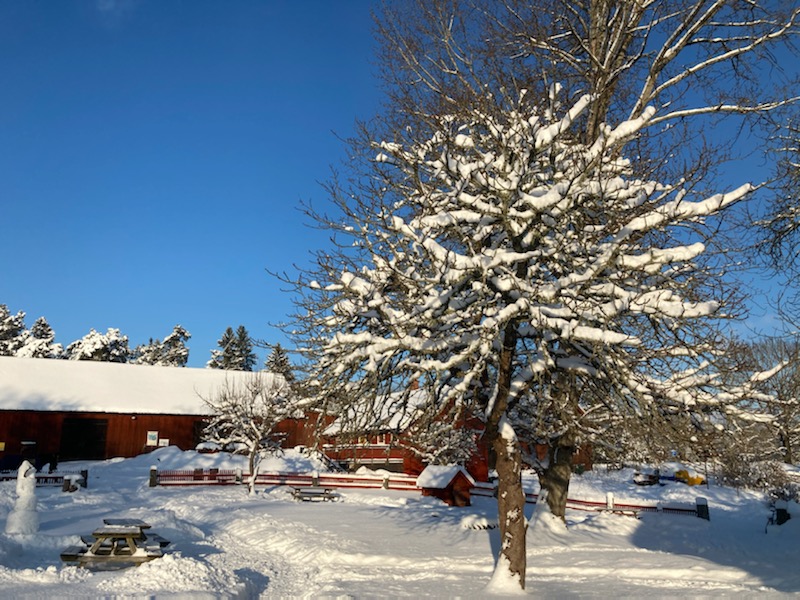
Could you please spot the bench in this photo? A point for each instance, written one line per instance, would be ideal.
(73, 553)
(314, 493)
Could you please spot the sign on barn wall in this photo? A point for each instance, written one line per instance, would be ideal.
(152, 438)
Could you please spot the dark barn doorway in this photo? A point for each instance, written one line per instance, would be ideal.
(83, 439)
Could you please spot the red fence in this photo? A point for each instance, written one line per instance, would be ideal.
(390, 482)
(233, 477)
(610, 504)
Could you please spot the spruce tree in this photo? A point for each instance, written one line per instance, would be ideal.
(12, 328)
(278, 362)
(245, 357)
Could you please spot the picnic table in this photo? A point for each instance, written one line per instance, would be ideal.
(118, 541)
(314, 493)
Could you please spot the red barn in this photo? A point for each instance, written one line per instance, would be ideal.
(95, 410)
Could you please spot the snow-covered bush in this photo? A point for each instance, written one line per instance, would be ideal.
(769, 476)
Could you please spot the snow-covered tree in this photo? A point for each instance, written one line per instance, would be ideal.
(246, 411)
(783, 402)
(175, 353)
(541, 259)
(40, 342)
(278, 362)
(111, 346)
(172, 352)
(235, 353)
(12, 329)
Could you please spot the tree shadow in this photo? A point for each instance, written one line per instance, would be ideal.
(732, 538)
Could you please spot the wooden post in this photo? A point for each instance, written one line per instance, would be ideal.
(153, 476)
(315, 479)
(609, 500)
(239, 476)
(702, 509)
(385, 484)
(84, 482)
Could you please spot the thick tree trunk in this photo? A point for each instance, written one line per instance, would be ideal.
(510, 506)
(554, 478)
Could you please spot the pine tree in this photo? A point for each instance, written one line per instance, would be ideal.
(39, 342)
(111, 346)
(172, 352)
(147, 354)
(12, 328)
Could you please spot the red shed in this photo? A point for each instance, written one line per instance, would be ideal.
(450, 483)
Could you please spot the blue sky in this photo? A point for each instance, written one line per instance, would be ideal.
(154, 154)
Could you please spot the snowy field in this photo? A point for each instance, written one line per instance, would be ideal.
(380, 543)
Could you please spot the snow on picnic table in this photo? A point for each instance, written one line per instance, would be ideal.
(378, 543)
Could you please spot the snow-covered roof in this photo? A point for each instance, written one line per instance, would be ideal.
(89, 386)
(438, 477)
(396, 413)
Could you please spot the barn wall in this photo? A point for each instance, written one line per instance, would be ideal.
(126, 435)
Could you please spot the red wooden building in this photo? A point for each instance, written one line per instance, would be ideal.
(73, 410)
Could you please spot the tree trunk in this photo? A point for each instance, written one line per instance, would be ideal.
(510, 497)
(554, 478)
(251, 485)
(510, 506)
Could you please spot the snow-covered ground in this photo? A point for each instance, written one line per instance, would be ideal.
(379, 543)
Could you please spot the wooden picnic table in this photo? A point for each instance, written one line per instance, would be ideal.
(117, 541)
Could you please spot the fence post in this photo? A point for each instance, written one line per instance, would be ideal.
(385, 483)
(609, 500)
(315, 479)
(153, 476)
(84, 479)
(238, 476)
(702, 509)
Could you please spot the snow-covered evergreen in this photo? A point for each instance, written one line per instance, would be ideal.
(111, 346)
(235, 353)
(278, 362)
(12, 329)
(39, 342)
(172, 352)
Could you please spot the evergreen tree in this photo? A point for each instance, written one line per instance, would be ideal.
(172, 352)
(235, 353)
(39, 342)
(278, 362)
(12, 328)
(111, 346)
(147, 354)
(246, 358)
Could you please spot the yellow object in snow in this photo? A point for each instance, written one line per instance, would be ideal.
(683, 475)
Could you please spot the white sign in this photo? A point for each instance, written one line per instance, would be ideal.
(152, 438)
(163, 442)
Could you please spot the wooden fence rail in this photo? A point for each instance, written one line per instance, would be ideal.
(396, 482)
(72, 478)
